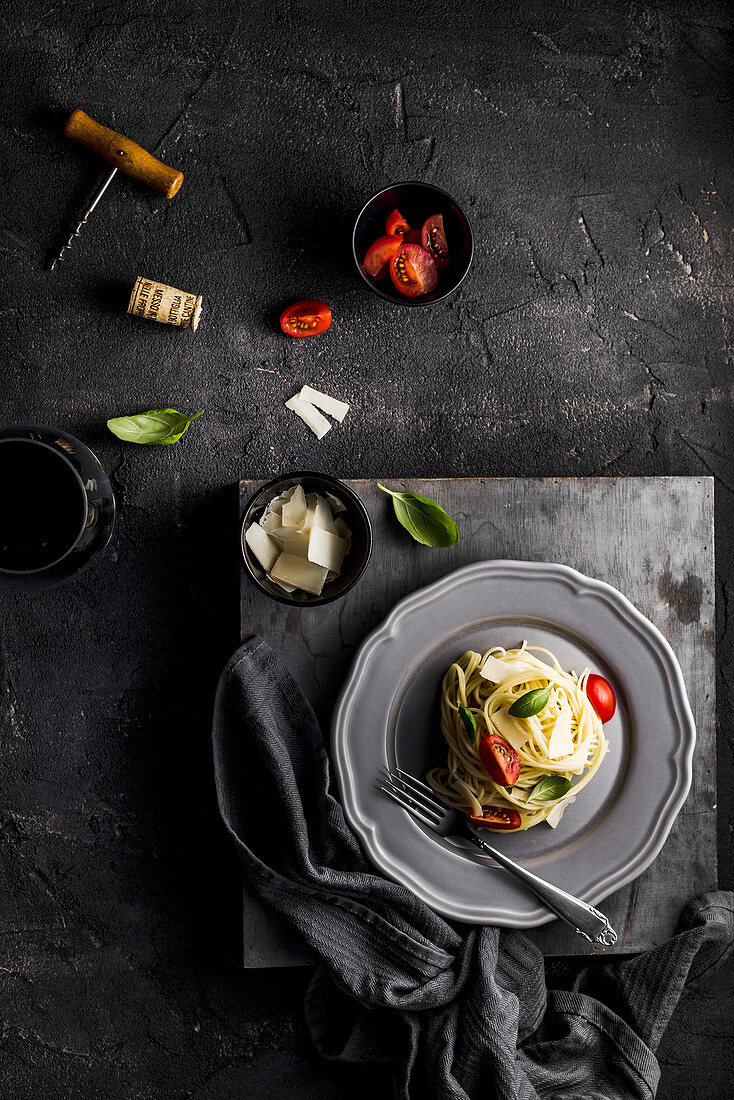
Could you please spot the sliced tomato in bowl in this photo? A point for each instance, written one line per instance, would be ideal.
(413, 270)
(500, 760)
(495, 818)
(413, 237)
(396, 223)
(380, 253)
(305, 318)
(433, 238)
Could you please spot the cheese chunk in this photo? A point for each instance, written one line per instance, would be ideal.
(310, 415)
(330, 405)
(496, 670)
(561, 740)
(557, 812)
(282, 584)
(262, 546)
(509, 727)
(335, 504)
(295, 542)
(322, 516)
(294, 510)
(299, 572)
(326, 549)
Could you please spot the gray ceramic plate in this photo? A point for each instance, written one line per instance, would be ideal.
(387, 713)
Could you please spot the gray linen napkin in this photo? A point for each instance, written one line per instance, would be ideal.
(461, 1012)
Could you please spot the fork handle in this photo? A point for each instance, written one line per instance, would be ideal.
(588, 921)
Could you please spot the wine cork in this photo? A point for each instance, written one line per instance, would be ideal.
(159, 302)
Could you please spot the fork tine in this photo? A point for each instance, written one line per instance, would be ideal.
(408, 796)
(416, 796)
(406, 793)
(418, 782)
(393, 793)
(417, 788)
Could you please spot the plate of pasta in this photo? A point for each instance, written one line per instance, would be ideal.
(542, 704)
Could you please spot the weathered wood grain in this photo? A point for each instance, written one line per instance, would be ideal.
(650, 537)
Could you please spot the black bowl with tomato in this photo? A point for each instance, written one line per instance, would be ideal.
(421, 243)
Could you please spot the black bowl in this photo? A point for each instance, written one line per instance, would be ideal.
(416, 202)
(355, 516)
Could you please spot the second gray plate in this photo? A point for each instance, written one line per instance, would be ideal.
(387, 714)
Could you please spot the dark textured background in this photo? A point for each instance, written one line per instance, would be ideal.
(591, 146)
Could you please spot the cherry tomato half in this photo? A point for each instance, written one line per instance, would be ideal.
(433, 237)
(413, 270)
(380, 253)
(494, 818)
(305, 318)
(500, 760)
(396, 223)
(601, 696)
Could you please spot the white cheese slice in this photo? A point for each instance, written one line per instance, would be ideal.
(335, 504)
(299, 572)
(322, 516)
(310, 415)
(294, 510)
(330, 405)
(557, 812)
(294, 541)
(262, 546)
(561, 740)
(276, 504)
(326, 549)
(282, 584)
(509, 727)
(496, 670)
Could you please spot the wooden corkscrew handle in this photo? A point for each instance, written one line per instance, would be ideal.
(124, 154)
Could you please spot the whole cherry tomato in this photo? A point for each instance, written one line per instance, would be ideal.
(601, 696)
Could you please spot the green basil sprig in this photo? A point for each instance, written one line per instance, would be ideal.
(422, 518)
(532, 702)
(158, 426)
(549, 788)
(470, 723)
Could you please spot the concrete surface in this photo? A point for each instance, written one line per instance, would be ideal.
(591, 146)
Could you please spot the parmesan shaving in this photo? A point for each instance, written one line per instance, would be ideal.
(330, 405)
(294, 510)
(262, 546)
(310, 415)
(509, 727)
(497, 670)
(299, 572)
(561, 740)
(326, 549)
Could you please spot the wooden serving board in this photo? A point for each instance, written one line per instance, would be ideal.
(652, 538)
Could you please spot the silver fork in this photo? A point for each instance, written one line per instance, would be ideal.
(419, 800)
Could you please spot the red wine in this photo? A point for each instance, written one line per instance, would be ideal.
(43, 506)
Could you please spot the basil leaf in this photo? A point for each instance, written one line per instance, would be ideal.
(532, 702)
(549, 788)
(422, 518)
(470, 723)
(159, 426)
